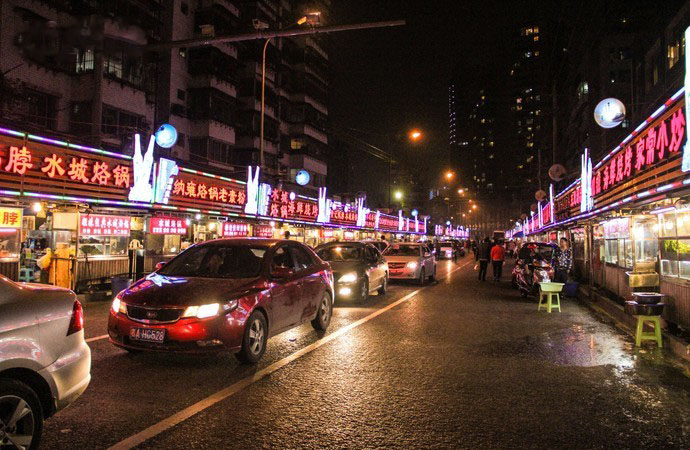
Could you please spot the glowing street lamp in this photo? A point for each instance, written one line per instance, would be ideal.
(398, 195)
(415, 135)
(449, 175)
(474, 206)
(461, 191)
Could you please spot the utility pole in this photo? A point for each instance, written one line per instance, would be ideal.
(263, 34)
(268, 35)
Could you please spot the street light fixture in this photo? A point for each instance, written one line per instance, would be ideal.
(474, 206)
(449, 175)
(311, 19)
(398, 195)
(415, 135)
(461, 191)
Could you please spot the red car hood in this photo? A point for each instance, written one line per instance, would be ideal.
(158, 290)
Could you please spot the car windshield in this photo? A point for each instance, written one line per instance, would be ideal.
(402, 250)
(341, 253)
(217, 261)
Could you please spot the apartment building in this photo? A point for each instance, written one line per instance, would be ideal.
(81, 71)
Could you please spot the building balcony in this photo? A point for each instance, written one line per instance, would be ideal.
(310, 131)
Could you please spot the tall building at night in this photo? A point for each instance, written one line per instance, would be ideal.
(529, 93)
(80, 71)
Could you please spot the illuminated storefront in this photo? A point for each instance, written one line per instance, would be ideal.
(105, 210)
(627, 215)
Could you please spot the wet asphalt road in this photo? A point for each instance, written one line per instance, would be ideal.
(461, 364)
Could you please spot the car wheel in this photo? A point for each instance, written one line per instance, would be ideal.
(364, 291)
(21, 416)
(384, 285)
(422, 277)
(324, 314)
(432, 277)
(254, 339)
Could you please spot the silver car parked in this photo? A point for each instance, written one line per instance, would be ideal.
(45, 364)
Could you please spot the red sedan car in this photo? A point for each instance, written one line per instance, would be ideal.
(226, 294)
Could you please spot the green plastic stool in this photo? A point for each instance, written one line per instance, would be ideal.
(546, 300)
(640, 335)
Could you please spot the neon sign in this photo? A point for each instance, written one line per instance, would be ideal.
(10, 218)
(283, 208)
(142, 191)
(167, 225)
(100, 225)
(661, 140)
(231, 229)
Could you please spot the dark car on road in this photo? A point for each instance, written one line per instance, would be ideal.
(225, 294)
(358, 269)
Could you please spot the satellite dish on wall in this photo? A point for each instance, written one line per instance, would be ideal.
(523, 216)
(557, 172)
(609, 113)
(533, 208)
(540, 195)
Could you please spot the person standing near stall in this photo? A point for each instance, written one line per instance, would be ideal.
(562, 261)
(498, 255)
(483, 255)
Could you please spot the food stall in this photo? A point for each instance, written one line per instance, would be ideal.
(166, 236)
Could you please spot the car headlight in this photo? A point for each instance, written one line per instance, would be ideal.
(412, 265)
(348, 278)
(203, 311)
(118, 305)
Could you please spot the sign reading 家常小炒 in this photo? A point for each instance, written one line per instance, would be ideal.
(659, 141)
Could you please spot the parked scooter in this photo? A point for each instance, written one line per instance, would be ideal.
(526, 277)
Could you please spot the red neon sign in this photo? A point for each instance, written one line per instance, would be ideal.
(282, 207)
(264, 231)
(99, 225)
(167, 225)
(658, 142)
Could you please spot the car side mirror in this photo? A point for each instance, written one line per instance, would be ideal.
(160, 265)
(281, 273)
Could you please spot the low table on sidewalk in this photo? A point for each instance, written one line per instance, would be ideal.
(548, 292)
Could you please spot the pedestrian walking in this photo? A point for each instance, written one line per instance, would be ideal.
(483, 255)
(498, 255)
(562, 261)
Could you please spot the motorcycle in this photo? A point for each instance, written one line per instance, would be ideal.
(526, 277)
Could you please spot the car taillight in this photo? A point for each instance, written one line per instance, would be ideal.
(77, 321)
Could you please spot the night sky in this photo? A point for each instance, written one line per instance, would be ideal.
(389, 80)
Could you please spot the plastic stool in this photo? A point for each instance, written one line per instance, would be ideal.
(546, 300)
(548, 291)
(26, 274)
(640, 335)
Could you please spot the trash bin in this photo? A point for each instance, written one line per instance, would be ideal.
(119, 284)
(570, 289)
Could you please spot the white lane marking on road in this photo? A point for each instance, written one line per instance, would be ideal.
(97, 338)
(211, 400)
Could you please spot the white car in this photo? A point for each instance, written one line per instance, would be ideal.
(410, 261)
(45, 364)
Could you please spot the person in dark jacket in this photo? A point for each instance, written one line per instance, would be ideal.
(562, 261)
(483, 254)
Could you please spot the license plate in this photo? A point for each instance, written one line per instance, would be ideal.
(147, 335)
(396, 272)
